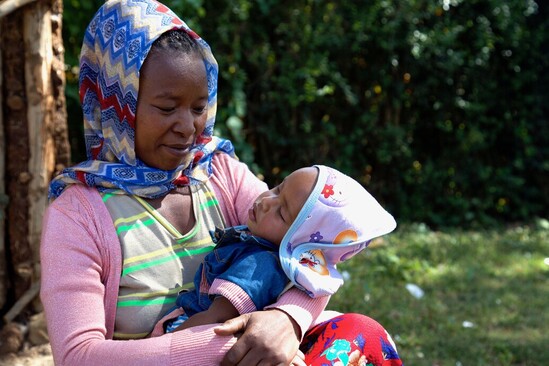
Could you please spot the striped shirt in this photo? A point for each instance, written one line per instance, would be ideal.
(158, 261)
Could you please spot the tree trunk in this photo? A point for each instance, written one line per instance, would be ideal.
(35, 133)
(3, 197)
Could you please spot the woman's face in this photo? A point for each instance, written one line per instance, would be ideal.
(171, 108)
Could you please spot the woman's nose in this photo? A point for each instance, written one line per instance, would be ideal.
(184, 123)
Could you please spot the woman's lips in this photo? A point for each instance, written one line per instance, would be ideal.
(178, 150)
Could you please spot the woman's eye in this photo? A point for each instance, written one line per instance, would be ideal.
(200, 110)
(165, 109)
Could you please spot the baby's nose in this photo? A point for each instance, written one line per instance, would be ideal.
(267, 203)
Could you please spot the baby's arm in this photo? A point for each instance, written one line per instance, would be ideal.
(220, 311)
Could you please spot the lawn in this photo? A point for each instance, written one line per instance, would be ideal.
(456, 297)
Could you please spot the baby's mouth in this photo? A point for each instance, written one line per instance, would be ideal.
(251, 213)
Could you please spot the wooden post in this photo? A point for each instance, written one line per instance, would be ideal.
(34, 131)
(38, 63)
(3, 197)
(17, 152)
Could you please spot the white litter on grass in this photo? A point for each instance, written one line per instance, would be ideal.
(415, 290)
(467, 324)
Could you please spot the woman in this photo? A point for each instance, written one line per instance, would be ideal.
(129, 226)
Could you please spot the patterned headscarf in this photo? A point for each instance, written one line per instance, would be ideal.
(115, 46)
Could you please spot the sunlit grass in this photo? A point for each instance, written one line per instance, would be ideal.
(485, 294)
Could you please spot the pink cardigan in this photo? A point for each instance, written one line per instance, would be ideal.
(81, 268)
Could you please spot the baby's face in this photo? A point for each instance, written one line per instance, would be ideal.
(274, 211)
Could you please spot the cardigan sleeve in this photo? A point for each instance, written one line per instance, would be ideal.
(235, 187)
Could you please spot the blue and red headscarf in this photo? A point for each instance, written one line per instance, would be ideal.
(115, 46)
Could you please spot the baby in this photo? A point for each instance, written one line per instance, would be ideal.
(296, 234)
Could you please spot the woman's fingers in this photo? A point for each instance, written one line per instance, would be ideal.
(268, 338)
(232, 326)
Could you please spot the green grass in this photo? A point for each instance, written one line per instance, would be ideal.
(486, 294)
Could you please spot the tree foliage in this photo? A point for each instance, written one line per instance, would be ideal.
(437, 107)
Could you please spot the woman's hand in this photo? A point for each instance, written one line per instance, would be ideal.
(299, 359)
(269, 337)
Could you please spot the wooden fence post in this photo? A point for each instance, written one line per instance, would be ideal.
(3, 198)
(34, 128)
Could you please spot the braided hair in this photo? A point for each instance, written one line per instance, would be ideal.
(177, 40)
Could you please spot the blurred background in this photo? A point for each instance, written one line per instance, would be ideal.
(440, 109)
